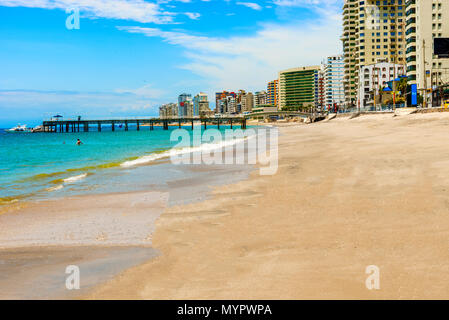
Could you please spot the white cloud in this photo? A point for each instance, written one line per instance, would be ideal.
(329, 8)
(251, 5)
(248, 62)
(147, 91)
(308, 3)
(192, 15)
(135, 10)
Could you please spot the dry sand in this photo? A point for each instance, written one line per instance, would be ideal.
(373, 190)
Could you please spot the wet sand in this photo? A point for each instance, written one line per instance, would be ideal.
(102, 234)
(348, 193)
(40, 272)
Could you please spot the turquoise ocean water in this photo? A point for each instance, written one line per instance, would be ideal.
(45, 165)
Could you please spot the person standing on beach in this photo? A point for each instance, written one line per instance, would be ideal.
(78, 142)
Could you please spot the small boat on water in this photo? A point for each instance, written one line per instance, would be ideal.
(19, 128)
(38, 129)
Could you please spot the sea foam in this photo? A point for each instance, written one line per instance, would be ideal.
(75, 178)
(205, 147)
(56, 188)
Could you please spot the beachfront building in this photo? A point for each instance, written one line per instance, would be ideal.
(201, 105)
(426, 20)
(188, 105)
(273, 93)
(227, 105)
(264, 108)
(321, 89)
(246, 102)
(260, 98)
(298, 88)
(185, 105)
(373, 31)
(241, 101)
(231, 105)
(221, 96)
(374, 78)
(333, 81)
(168, 111)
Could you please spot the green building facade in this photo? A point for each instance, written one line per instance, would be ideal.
(298, 88)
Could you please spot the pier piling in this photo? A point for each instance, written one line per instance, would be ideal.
(75, 125)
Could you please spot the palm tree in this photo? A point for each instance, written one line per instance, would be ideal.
(402, 86)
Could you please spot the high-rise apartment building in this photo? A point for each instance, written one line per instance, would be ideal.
(321, 89)
(260, 98)
(298, 87)
(220, 96)
(240, 100)
(200, 104)
(333, 79)
(247, 102)
(184, 102)
(169, 110)
(227, 105)
(273, 93)
(426, 20)
(373, 31)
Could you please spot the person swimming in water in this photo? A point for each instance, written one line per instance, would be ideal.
(78, 142)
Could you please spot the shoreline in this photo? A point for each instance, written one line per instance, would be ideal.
(63, 182)
(117, 225)
(348, 194)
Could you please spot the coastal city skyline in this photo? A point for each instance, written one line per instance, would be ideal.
(389, 59)
(377, 42)
(132, 62)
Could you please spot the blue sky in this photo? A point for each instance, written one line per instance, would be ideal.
(130, 56)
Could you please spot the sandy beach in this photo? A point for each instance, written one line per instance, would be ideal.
(348, 193)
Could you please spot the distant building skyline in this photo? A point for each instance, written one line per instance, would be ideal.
(128, 61)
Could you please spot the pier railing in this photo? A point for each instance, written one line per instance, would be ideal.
(86, 125)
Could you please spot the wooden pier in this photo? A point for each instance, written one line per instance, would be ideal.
(86, 125)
